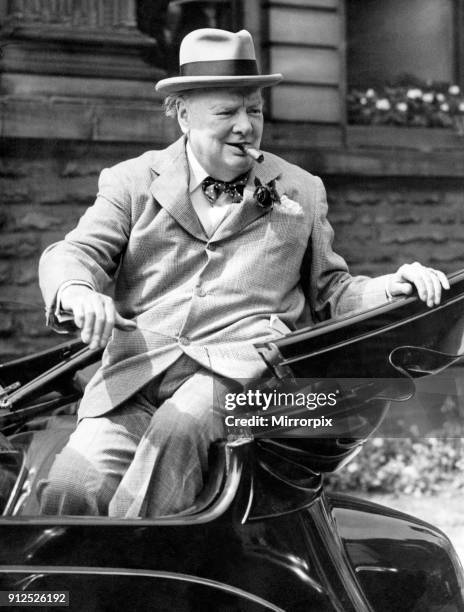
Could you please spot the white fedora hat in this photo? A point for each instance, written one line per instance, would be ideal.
(217, 58)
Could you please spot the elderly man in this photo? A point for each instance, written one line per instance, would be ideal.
(209, 251)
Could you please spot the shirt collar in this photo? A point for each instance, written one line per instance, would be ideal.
(197, 172)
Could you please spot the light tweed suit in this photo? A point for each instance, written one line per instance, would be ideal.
(205, 297)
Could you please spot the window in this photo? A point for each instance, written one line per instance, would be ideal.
(169, 21)
(392, 39)
(405, 63)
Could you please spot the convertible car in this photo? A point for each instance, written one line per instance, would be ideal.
(263, 534)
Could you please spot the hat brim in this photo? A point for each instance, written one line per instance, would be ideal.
(178, 84)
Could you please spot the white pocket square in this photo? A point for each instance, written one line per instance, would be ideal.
(290, 205)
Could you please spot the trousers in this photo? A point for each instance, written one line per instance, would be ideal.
(147, 457)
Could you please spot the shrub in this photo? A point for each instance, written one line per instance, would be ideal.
(417, 466)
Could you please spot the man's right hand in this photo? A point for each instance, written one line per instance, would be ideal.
(94, 314)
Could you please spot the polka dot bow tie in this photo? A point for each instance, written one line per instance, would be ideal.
(212, 188)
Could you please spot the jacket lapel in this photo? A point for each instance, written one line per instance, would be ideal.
(170, 188)
(248, 211)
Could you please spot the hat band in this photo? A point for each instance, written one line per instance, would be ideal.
(223, 68)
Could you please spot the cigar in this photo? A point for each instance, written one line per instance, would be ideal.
(252, 152)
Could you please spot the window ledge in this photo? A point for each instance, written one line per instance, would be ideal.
(377, 151)
(419, 139)
(321, 149)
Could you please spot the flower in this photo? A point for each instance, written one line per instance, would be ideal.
(413, 94)
(265, 195)
(431, 105)
(383, 104)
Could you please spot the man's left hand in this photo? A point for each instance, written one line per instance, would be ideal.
(427, 282)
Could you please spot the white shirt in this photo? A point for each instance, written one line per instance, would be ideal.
(210, 215)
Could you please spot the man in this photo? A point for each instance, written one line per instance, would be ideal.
(202, 269)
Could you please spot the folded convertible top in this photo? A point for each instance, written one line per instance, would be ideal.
(360, 345)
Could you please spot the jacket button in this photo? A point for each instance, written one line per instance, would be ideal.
(183, 340)
(200, 291)
(211, 247)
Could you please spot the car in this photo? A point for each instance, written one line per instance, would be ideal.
(264, 534)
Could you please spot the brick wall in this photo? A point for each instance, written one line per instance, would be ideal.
(46, 186)
(381, 223)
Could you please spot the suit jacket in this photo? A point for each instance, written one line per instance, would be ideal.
(262, 273)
